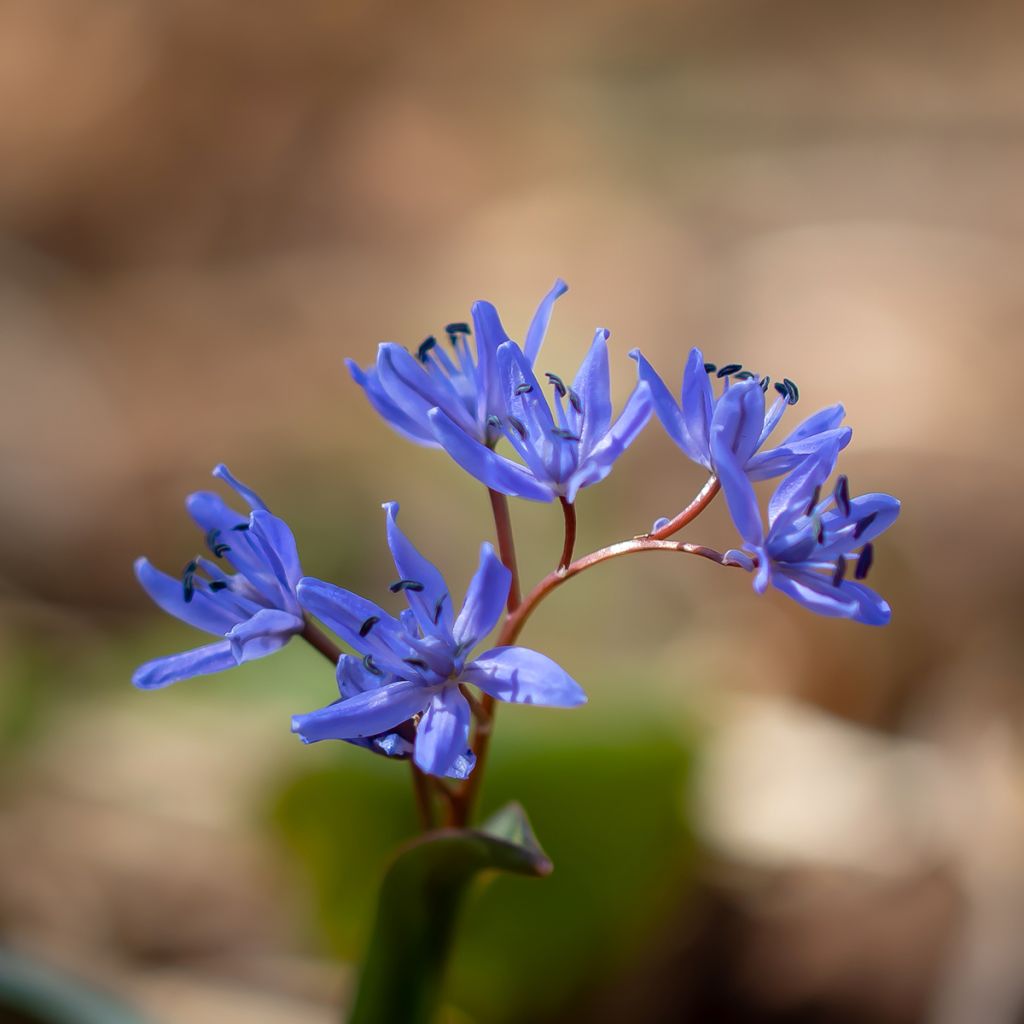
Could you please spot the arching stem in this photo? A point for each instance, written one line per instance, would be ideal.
(694, 509)
(569, 513)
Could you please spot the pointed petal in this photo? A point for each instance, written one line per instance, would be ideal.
(531, 406)
(432, 605)
(698, 407)
(490, 334)
(666, 408)
(209, 511)
(278, 543)
(251, 498)
(817, 593)
(523, 676)
(443, 733)
(794, 493)
(267, 631)
(198, 662)
(840, 529)
(486, 465)
(365, 714)
(539, 324)
(204, 611)
(348, 614)
(485, 600)
(396, 417)
(737, 420)
(828, 418)
(414, 390)
(593, 384)
(775, 461)
(871, 608)
(738, 490)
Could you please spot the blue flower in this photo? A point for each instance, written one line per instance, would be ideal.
(813, 544)
(691, 426)
(253, 607)
(403, 388)
(422, 658)
(575, 448)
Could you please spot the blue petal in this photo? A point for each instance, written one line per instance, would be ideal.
(490, 334)
(828, 418)
(484, 464)
(443, 733)
(871, 609)
(523, 676)
(410, 427)
(432, 605)
(775, 461)
(346, 613)
(740, 558)
(666, 408)
(738, 490)
(737, 420)
(698, 408)
(794, 493)
(354, 677)
(485, 600)
(840, 529)
(416, 391)
(463, 766)
(209, 511)
(816, 592)
(279, 549)
(594, 386)
(253, 500)
(539, 324)
(204, 611)
(201, 661)
(267, 631)
(365, 714)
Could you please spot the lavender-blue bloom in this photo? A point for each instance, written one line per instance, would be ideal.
(403, 388)
(425, 653)
(562, 453)
(254, 608)
(691, 426)
(812, 544)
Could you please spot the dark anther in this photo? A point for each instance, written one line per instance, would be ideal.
(218, 547)
(745, 375)
(730, 368)
(523, 389)
(437, 608)
(575, 401)
(368, 624)
(765, 381)
(821, 532)
(842, 494)
(370, 666)
(558, 382)
(565, 435)
(518, 426)
(710, 367)
(413, 585)
(814, 500)
(425, 346)
(216, 586)
(782, 390)
(457, 328)
(863, 524)
(794, 391)
(416, 662)
(837, 576)
(188, 581)
(241, 527)
(867, 556)
(494, 421)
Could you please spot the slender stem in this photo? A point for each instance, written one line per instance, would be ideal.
(506, 543)
(569, 512)
(513, 625)
(694, 509)
(421, 787)
(321, 641)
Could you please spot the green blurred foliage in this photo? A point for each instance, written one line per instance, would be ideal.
(608, 803)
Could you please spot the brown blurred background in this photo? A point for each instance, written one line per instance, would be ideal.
(206, 205)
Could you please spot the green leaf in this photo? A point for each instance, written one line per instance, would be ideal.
(418, 910)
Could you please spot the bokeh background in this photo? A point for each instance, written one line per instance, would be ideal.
(206, 205)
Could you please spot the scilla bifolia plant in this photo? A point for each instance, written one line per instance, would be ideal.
(416, 686)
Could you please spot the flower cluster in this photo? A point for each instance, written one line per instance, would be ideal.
(410, 685)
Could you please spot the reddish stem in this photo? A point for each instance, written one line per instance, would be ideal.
(569, 513)
(694, 509)
(506, 543)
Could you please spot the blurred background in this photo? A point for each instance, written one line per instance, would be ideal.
(761, 816)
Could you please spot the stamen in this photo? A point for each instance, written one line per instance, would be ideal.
(745, 375)
(241, 527)
(368, 624)
(494, 421)
(524, 389)
(565, 435)
(842, 494)
(455, 329)
(370, 665)
(794, 391)
(837, 576)
(821, 532)
(814, 500)
(216, 586)
(437, 608)
(518, 426)
(218, 547)
(188, 581)
(558, 382)
(782, 390)
(575, 401)
(416, 662)
(765, 381)
(863, 524)
(425, 346)
(710, 367)
(414, 585)
(867, 556)
(729, 368)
